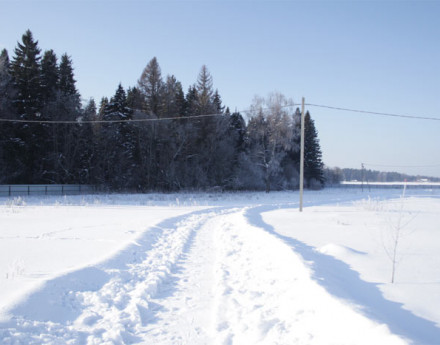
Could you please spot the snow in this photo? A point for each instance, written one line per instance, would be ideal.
(226, 268)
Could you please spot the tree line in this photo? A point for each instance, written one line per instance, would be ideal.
(369, 175)
(152, 136)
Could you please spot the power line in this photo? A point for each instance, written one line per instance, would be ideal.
(218, 114)
(108, 121)
(131, 120)
(375, 113)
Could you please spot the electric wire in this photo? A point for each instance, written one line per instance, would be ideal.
(218, 114)
(109, 121)
(374, 113)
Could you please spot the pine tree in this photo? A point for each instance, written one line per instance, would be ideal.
(313, 166)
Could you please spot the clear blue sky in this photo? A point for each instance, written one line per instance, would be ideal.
(380, 56)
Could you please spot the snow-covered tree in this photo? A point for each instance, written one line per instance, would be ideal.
(270, 132)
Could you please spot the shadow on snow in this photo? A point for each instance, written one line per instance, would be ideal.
(344, 283)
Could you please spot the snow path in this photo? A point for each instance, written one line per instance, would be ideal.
(208, 277)
(266, 295)
(106, 304)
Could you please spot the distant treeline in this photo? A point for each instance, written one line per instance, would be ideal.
(336, 175)
(152, 136)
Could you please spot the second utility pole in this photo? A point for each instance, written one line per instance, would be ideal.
(301, 160)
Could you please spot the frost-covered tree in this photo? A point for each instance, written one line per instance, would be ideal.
(270, 132)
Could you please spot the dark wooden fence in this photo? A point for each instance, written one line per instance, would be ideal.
(45, 189)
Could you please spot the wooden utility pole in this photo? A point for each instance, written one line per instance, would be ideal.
(301, 161)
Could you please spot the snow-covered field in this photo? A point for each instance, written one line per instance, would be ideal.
(238, 268)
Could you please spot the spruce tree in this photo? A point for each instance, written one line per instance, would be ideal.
(84, 171)
(6, 87)
(217, 103)
(25, 69)
(6, 111)
(172, 100)
(191, 101)
(313, 166)
(67, 84)
(65, 158)
(49, 76)
(135, 100)
(102, 107)
(27, 146)
(118, 142)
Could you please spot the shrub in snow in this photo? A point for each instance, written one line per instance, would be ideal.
(15, 269)
(17, 201)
